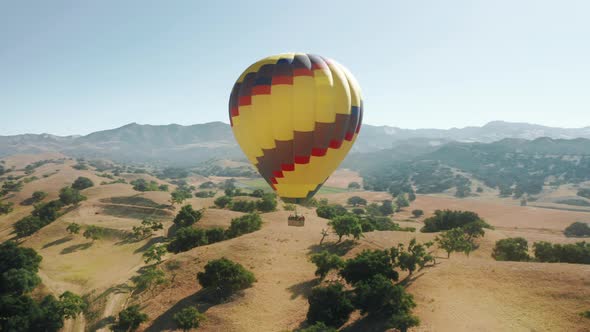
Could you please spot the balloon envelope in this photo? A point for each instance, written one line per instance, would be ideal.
(296, 116)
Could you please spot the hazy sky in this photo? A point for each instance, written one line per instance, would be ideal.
(73, 67)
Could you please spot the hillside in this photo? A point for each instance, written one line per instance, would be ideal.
(187, 145)
(512, 167)
(464, 288)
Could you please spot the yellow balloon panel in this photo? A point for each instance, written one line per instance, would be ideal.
(296, 116)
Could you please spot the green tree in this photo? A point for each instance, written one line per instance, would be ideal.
(401, 201)
(330, 305)
(6, 207)
(187, 238)
(243, 225)
(154, 253)
(387, 207)
(188, 318)
(69, 196)
(147, 228)
(511, 249)
(378, 297)
(93, 232)
(71, 304)
(454, 240)
(222, 201)
(19, 281)
(82, 183)
(28, 226)
(215, 234)
(225, 277)
(368, 264)
(187, 216)
(325, 262)
(268, 203)
(354, 186)
(346, 225)
(38, 196)
(73, 228)
(577, 229)
(356, 201)
(417, 213)
(179, 195)
(130, 319)
(415, 256)
(318, 327)
(148, 278)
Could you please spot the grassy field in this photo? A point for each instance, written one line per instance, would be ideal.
(462, 293)
(261, 184)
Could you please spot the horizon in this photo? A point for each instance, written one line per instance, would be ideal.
(364, 124)
(81, 67)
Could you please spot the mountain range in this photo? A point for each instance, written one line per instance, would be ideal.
(185, 145)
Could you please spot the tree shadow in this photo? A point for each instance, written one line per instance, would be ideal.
(202, 300)
(172, 230)
(149, 243)
(367, 324)
(337, 248)
(104, 322)
(58, 241)
(303, 288)
(27, 202)
(76, 247)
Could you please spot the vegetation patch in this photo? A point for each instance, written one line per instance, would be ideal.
(134, 212)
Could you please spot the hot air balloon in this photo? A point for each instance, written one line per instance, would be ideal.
(296, 116)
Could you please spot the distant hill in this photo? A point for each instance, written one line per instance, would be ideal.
(382, 137)
(187, 145)
(513, 166)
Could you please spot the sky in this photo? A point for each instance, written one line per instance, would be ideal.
(74, 67)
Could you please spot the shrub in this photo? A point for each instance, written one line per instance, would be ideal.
(511, 249)
(204, 194)
(73, 228)
(330, 211)
(378, 297)
(28, 225)
(356, 200)
(289, 207)
(318, 327)
(6, 208)
(216, 234)
(244, 225)
(330, 305)
(448, 219)
(69, 196)
(207, 185)
(38, 196)
(268, 203)
(387, 208)
(576, 253)
(346, 225)
(143, 185)
(82, 183)
(358, 212)
(401, 201)
(179, 195)
(417, 213)
(368, 264)
(225, 277)
(354, 185)
(94, 232)
(47, 212)
(585, 192)
(130, 319)
(325, 262)
(148, 278)
(377, 223)
(187, 238)
(577, 229)
(187, 216)
(243, 206)
(222, 201)
(188, 318)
